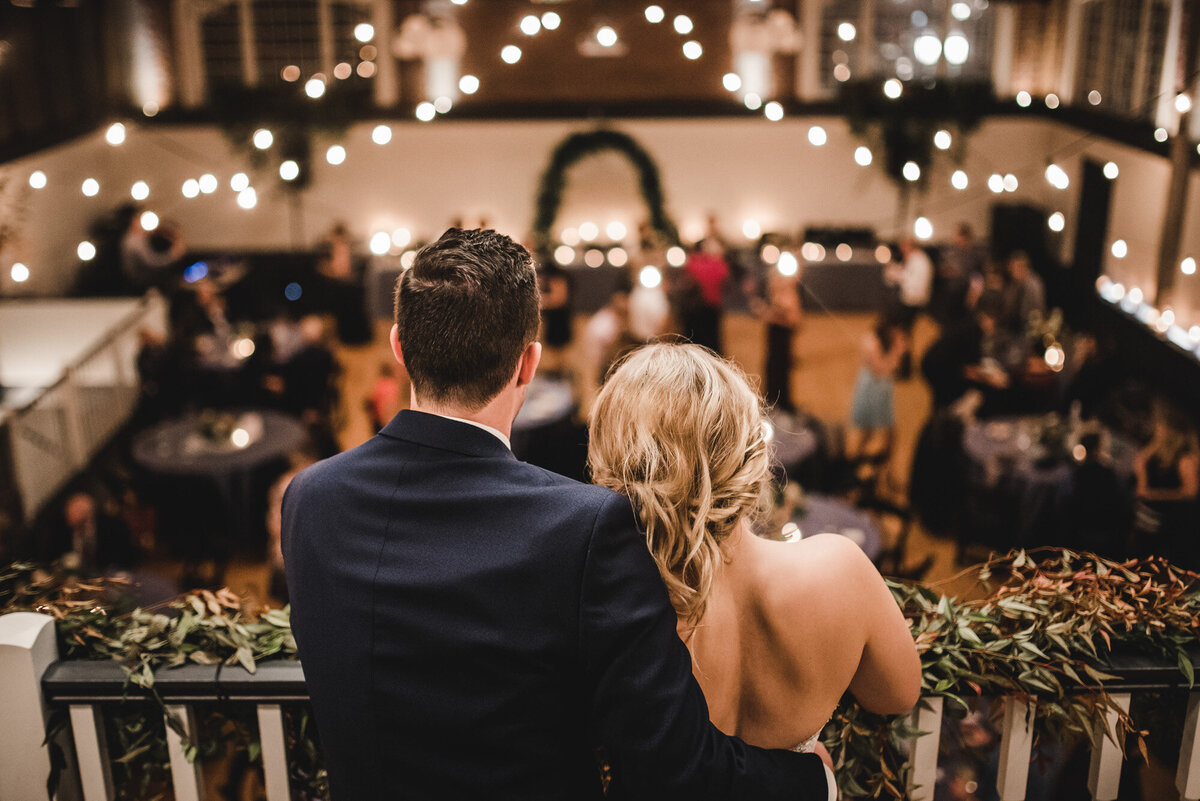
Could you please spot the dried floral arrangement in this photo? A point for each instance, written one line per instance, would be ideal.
(1044, 628)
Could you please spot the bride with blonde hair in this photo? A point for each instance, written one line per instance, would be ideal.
(778, 631)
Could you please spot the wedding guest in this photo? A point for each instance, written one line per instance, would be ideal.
(912, 276)
(782, 314)
(961, 264)
(702, 290)
(872, 413)
(554, 283)
(1167, 471)
(1024, 296)
(89, 540)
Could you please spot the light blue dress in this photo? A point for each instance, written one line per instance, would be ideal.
(872, 405)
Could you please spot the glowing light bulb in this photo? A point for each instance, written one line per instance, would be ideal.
(335, 155)
(817, 136)
(683, 24)
(239, 181)
(911, 171)
(381, 134)
(511, 54)
(37, 179)
(90, 187)
(289, 170)
(862, 156)
(468, 84)
(86, 251)
(263, 138)
(959, 180)
(115, 134)
(148, 221)
(140, 190)
(380, 243)
(1056, 221)
(655, 14)
(787, 265)
(19, 273)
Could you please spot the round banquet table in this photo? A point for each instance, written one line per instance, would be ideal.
(542, 432)
(825, 515)
(210, 490)
(1016, 484)
(793, 442)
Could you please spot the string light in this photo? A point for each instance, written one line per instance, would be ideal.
(401, 237)
(247, 198)
(676, 256)
(911, 171)
(1052, 101)
(364, 32)
(263, 138)
(593, 258)
(1160, 134)
(752, 101)
(942, 140)
(468, 84)
(774, 111)
(443, 104)
(208, 183)
(140, 190)
(1057, 177)
(1094, 97)
(86, 251)
(1120, 249)
(1188, 266)
(616, 230)
(511, 54)
(922, 228)
(19, 273)
(335, 155)
(650, 277)
(959, 180)
(1010, 183)
(289, 170)
(37, 179)
(892, 88)
(239, 181)
(115, 134)
(314, 87)
(617, 257)
(425, 111)
(846, 31)
(530, 25)
(817, 136)
(551, 21)
(683, 24)
(1183, 103)
(787, 265)
(655, 14)
(90, 187)
(1057, 221)
(996, 183)
(380, 243)
(862, 156)
(731, 81)
(692, 50)
(1024, 99)
(564, 254)
(751, 229)
(148, 221)
(1111, 171)
(381, 134)
(588, 231)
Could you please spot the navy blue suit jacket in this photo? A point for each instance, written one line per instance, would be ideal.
(475, 627)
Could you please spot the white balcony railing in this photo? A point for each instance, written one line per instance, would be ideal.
(32, 682)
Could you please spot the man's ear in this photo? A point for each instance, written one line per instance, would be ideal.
(394, 341)
(528, 365)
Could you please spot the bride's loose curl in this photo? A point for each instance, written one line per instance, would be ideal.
(680, 432)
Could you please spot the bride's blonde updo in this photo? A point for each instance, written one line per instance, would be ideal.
(680, 432)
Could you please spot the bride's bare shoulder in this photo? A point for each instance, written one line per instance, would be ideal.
(816, 568)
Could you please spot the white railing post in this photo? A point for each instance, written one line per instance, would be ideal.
(1016, 748)
(274, 751)
(923, 749)
(27, 648)
(185, 775)
(1187, 779)
(91, 752)
(1104, 773)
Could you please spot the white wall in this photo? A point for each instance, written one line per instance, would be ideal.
(432, 173)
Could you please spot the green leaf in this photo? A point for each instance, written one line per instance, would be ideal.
(1185, 667)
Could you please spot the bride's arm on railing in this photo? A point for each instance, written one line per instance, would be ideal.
(888, 679)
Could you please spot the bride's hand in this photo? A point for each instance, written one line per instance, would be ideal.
(819, 750)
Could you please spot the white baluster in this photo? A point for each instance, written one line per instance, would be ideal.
(27, 647)
(923, 750)
(1104, 774)
(1016, 747)
(274, 751)
(1187, 780)
(91, 751)
(185, 776)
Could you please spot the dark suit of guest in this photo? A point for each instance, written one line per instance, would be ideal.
(474, 627)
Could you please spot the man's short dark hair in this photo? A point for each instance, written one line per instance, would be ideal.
(466, 310)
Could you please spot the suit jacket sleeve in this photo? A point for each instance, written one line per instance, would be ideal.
(647, 711)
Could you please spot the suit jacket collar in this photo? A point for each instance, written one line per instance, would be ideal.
(442, 433)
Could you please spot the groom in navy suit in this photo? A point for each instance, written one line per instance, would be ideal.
(474, 627)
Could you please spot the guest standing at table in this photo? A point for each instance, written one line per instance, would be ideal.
(1168, 488)
(872, 414)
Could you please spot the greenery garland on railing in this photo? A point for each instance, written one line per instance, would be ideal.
(1043, 630)
(579, 145)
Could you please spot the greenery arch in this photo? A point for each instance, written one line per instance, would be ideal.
(578, 146)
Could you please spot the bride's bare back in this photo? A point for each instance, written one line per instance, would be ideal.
(789, 627)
